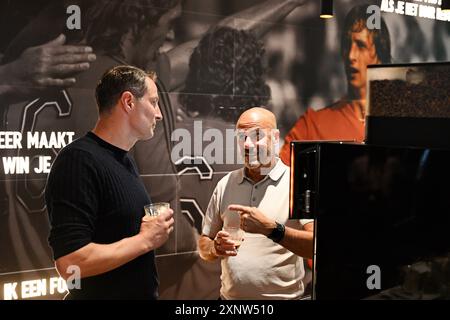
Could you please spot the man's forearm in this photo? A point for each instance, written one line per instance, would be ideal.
(94, 259)
(299, 242)
(206, 248)
(5, 94)
(269, 12)
(5, 85)
(179, 62)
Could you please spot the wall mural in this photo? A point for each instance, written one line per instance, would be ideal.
(214, 59)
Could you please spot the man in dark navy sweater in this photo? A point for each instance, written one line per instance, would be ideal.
(95, 197)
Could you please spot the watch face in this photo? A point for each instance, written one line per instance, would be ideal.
(277, 233)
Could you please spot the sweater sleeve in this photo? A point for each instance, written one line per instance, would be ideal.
(71, 195)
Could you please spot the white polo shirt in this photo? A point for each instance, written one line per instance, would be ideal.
(262, 268)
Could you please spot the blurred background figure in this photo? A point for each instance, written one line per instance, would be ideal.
(345, 119)
(226, 76)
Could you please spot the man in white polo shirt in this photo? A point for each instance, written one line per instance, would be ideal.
(268, 264)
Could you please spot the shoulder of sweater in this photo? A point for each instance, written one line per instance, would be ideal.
(80, 149)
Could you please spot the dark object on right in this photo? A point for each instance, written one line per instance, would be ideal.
(409, 105)
(375, 207)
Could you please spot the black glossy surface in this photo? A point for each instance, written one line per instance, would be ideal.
(374, 205)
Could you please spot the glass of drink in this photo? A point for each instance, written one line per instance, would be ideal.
(154, 209)
(236, 235)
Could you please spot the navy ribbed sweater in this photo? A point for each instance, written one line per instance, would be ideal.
(94, 194)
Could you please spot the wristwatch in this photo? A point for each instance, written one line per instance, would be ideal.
(277, 233)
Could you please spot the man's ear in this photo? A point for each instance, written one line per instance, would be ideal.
(127, 101)
(276, 135)
(276, 140)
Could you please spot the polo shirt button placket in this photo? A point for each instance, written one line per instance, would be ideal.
(253, 193)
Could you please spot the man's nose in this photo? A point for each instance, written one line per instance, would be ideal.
(353, 53)
(158, 114)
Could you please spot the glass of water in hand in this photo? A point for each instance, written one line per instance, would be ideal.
(154, 209)
(236, 235)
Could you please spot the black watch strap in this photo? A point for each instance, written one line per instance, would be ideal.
(277, 233)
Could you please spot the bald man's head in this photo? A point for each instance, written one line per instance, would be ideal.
(257, 118)
(258, 138)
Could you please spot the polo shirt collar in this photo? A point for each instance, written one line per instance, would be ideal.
(274, 174)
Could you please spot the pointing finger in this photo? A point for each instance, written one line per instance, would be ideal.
(237, 207)
(59, 40)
